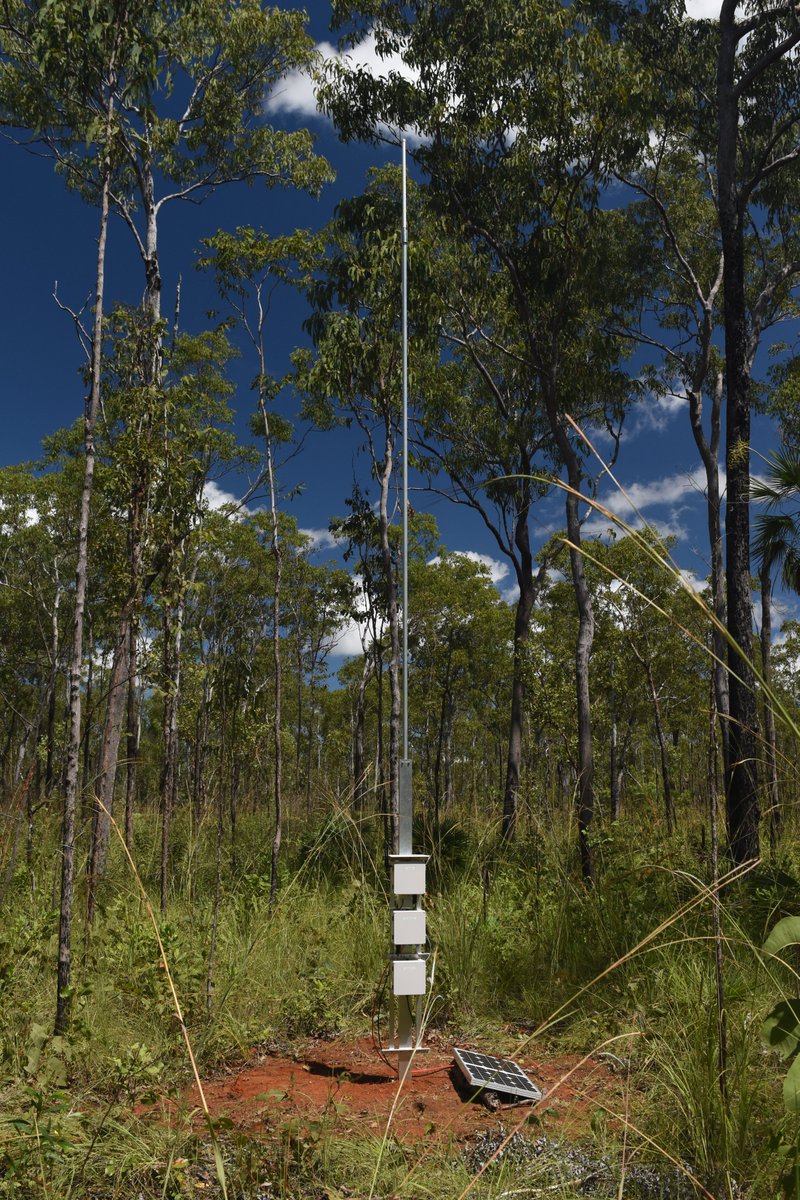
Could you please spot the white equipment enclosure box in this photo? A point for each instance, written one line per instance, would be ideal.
(409, 876)
(408, 927)
(409, 976)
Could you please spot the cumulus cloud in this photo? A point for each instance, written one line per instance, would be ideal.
(296, 94)
(654, 414)
(321, 539)
(670, 490)
(694, 581)
(497, 570)
(601, 527)
(675, 492)
(346, 642)
(350, 638)
(215, 497)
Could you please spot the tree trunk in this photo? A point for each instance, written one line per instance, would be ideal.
(770, 744)
(107, 771)
(133, 734)
(299, 733)
(448, 756)
(583, 650)
(310, 743)
(173, 643)
(741, 783)
(277, 552)
(81, 575)
(528, 590)
(385, 478)
(709, 454)
(440, 740)
(359, 766)
(583, 647)
(201, 748)
(669, 808)
(51, 693)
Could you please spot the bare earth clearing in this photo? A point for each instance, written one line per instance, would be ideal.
(347, 1082)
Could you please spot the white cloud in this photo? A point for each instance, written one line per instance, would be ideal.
(296, 93)
(215, 497)
(350, 638)
(347, 642)
(30, 516)
(497, 570)
(703, 10)
(603, 527)
(709, 10)
(321, 539)
(694, 581)
(670, 490)
(656, 412)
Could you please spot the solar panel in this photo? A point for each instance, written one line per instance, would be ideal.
(496, 1074)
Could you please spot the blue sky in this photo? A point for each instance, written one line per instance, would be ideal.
(49, 236)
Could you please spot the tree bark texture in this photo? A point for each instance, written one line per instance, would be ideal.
(741, 783)
(359, 765)
(385, 478)
(81, 576)
(107, 771)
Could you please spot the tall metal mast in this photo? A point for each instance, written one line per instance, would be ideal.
(404, 307)
(409, 938)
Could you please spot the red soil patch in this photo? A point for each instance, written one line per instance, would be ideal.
(348, 1083)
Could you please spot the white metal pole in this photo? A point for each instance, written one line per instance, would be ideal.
(405, 1003)
(405, 455)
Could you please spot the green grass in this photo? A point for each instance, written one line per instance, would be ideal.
(515, 951)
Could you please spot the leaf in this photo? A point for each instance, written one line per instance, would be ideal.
(36, 1042)
(786, 933)
(220, 1166)
(273, 1094)
(781, 1029)
(791, 1087)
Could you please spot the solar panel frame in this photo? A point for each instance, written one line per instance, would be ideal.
(486, 1071)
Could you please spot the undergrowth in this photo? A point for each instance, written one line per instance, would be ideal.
(519, 941)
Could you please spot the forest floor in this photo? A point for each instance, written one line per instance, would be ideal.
(346, 1083)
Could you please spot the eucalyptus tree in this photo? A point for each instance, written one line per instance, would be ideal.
(460, 633)
(521, 118)
(37, 559)
(248, 266)
(215, 64)
(60, 72)
(724, 191)
(320, 601)
(157, 447)
(662, 630)
(758, 147)
(360, 536)
(776, 546)
(131, 100)
(196, 441)
(353, 373)
(683, 314)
